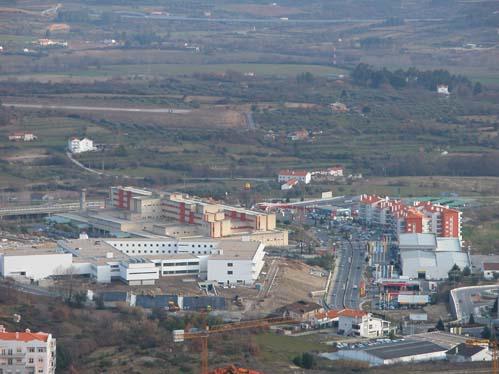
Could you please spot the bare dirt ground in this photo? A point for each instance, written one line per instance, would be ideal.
(292, 283)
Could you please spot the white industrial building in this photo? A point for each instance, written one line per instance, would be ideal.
(236, 264)
(76, 145)
(27, 352)
(405, 351)
(34, 262)
(138, 261)
(426, 256)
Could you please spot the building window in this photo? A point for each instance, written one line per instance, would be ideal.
(230, 264)
(229, 272)
(41, 350)
(31, 349)
(31, 360)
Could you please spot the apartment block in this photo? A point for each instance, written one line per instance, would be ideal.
(27, 352)
(417, 217)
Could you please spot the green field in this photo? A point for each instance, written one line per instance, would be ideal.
(187, 69)
(284, 348)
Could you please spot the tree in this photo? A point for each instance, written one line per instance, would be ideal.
(440, 325)
(391, 335)
(466, 271)
(486, 334)
(472, 319)
(494, 308)
(306, 360)
(455, 273)
(477, 88)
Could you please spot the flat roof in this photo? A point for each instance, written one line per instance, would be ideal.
(441, 338)
(173, 256)
(29, 250)
(423, 240)
(93, 250)
(233, 250)
(403, 349)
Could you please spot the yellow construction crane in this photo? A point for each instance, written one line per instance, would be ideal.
(206, 331)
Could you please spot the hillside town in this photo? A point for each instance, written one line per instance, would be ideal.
(378, 296)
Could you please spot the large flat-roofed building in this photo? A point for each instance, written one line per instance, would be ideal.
(32, 262)
(146, 214)
(404, 351)
(101, 261)
(236, 262)
(209, 259)
(426, 256)
(27, 352)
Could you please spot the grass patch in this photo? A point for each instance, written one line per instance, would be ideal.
(284, 348)
(182, 69)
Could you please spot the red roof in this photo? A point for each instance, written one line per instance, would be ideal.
(292, 182)
(299, 173)
(335, 168)
(351, 313)
(370, 199)
(491, 266)
(336, 313)
(24, 336)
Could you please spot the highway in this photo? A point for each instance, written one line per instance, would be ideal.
(349, 272)
(130, 14)
(97, 108)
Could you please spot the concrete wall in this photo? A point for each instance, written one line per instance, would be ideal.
(36, 266)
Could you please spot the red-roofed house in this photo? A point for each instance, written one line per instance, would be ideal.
(27, 352)
(300, 175)
(298, 135)
(289, 184)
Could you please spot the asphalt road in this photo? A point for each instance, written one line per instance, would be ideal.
(97, 108)
(464, 299)
(130, 14)
(349, 274)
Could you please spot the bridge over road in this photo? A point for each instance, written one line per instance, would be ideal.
(52, 208)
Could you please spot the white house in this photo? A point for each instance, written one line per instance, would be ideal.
(27, 352)
(335, 171)
(352, 322)
(443, 89)
(300, 175)
(465, 352)
(489, 269)
(76, 145)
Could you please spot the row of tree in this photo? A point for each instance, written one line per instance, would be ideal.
(369, 76)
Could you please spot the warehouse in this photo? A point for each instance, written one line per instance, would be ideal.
(425, 256)
(401, 351)
(33, 262)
